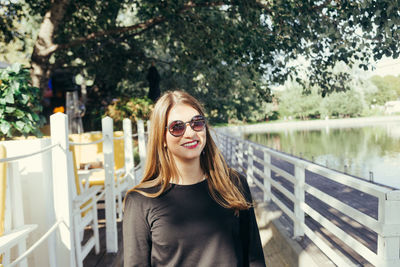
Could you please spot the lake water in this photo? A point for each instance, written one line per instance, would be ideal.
(369, 152)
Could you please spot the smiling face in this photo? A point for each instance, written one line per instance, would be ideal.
(189, 146)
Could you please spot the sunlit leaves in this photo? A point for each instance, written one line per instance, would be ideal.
(19, 103)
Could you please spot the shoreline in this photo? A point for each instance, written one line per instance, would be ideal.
(312, 124)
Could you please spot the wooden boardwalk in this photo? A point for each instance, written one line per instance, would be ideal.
(104, 259)
(358, 200)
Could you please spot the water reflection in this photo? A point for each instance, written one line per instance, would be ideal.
(362, 151)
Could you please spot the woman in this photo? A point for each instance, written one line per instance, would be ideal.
(189, 209)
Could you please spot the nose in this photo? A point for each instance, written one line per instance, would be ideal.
(189, 132)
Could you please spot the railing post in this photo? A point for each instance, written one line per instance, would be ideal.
(240, 154)
(230, 150)
(128, 151)
(48, 188)
(234, 153)
(17, 206)
(62, 190)
(299, 173)
(111, 220)
(389, 239)
(148, 126)
(142, 142)
(267, 176)
(250, 172)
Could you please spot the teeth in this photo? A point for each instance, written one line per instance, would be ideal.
(190, 144)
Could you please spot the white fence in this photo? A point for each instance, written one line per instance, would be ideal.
(383, 224)
(48, 192)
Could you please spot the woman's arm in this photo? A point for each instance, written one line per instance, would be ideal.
(136, 231)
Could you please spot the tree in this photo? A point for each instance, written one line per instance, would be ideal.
(386, 90)
(114, 41)
(342, 104)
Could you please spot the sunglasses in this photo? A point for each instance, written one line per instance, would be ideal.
(178, 128)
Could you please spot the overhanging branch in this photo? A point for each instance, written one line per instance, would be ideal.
(141, 27)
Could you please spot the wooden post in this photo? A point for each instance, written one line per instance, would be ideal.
(234, 156)
(142, 142)
(230, 151)
(62, 190)
(299, 173)
(128, 150)
(48, 188)
(148, 127)
(267, 176)
(250, 172)
(389, 238)
(17, 211)
(111, 219)
(240, 154)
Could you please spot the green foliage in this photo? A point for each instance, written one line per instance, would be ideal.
(293, 102)
(230, 45)
(388, 89)
(342, 104)
(132, 108)
(19, 104)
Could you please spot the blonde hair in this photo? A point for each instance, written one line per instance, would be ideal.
(160, 165)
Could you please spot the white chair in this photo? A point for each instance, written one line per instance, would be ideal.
(13, 231)
(84, 214)
(96, 177)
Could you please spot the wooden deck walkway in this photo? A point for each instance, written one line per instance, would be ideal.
(361, 201)
(104, 259)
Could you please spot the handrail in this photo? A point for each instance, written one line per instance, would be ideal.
(34, 246)
(386, 224)
(118, 137)
(85, 144)
(28, 155)
(374, 189)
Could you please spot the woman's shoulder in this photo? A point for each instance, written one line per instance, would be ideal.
(142, 193)
(137, 200)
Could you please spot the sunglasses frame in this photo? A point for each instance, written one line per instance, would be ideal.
(185, 123)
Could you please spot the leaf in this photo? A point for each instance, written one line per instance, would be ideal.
(20, 125)
(5, 127)
(25, 99)
(10, 109)
(16, 67)
(19, 113)
(9, 98)
(35, 117)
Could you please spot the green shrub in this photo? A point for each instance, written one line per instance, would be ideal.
(134, 109)
(20, 105)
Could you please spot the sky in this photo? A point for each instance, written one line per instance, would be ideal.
(387, 66)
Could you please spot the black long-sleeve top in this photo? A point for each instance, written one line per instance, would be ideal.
(186, 227)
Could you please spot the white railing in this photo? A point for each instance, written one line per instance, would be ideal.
(16, 231)
(255, 161)
(58, 183)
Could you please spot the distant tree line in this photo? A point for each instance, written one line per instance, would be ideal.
(364, 98)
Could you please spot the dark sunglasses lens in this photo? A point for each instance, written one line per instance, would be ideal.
(177, 128)
(198, 125)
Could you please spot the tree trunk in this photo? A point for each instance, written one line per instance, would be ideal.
(44, 46)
